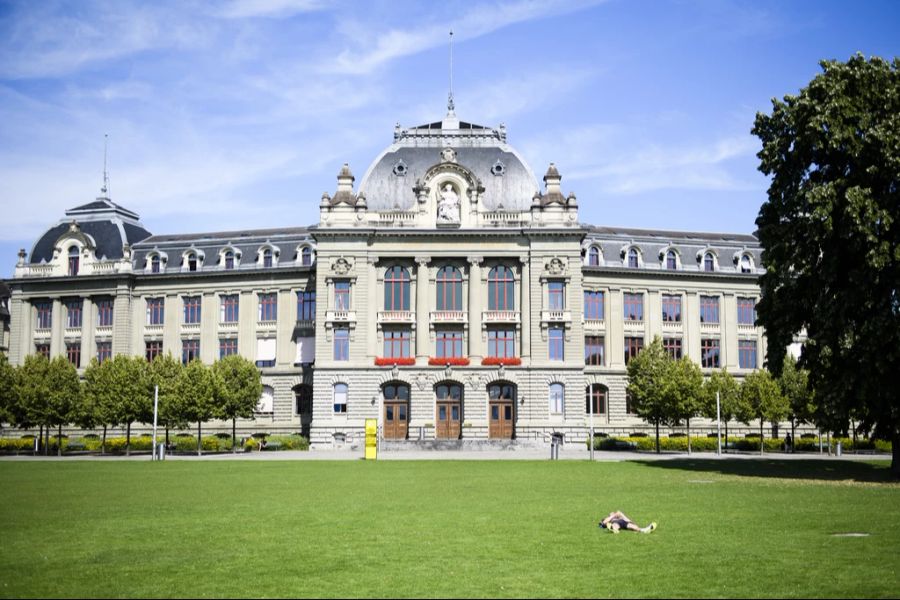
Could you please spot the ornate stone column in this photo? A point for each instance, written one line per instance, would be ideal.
(422, 341)
(475, 295)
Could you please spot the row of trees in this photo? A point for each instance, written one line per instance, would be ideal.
(120, 391)
(669, 392)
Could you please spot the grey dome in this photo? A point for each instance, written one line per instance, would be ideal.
(507, 180)
(108, 224)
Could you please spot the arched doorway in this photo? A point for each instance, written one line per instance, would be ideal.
(396, 410)
(501, 410)
(303, 397)
(448, 410)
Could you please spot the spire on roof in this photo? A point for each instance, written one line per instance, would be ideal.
(104, 191)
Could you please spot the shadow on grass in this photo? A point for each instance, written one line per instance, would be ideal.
(822, 470)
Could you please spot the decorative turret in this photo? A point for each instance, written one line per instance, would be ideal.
(554, 192)
(552, 207)
(345, 187)
(345, 207)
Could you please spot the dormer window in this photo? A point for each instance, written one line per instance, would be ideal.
(192, 262)
(594, 256)
(671, 260)
(633, 258)
(229, 260)
(267, 258)
(154, 264)
(746, 263)
(73, 260)
(709, 262)
(306, 256)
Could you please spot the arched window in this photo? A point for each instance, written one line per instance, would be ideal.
(671, 260)
(306, 256)
(502, 391)
(595, 399)
(192, 262)
(340, 398)
(746, 263)
(449, 289)
(229, 260)
(448, 391)
(501, 289)
(396, 392)
(594, 256)
(396, 288)
(709, 262)
(73, 260)
(267, 258)
(557, 398)
(633, 258)
(266, 400)
(154, 264)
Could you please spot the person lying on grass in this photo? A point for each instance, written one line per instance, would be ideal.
(617, 520)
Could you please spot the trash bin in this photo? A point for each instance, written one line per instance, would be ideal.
(838, 449)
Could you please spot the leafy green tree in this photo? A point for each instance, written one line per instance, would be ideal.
(63, 396)
(831, 238)
(684, 391)
(240, 389)
(730, 401)
(762, 399)
(648, 374)
(164, 372)
(129, 375)
(101, 397)
(794, 383)
(198, 388)
(8, 398)
(32, 389)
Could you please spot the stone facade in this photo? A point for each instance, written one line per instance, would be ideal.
(448, 269)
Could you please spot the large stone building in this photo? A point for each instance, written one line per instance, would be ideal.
(447, 295)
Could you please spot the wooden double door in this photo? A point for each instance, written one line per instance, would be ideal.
(396, 420)
(448, 411)
(501, 411)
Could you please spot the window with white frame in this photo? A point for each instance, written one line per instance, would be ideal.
(340, 398)
(557, 398)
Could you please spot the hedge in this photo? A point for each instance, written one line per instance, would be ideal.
(278, 442)
(707, 444)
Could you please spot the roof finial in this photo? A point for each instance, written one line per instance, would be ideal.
(450, 106)
(105, 189)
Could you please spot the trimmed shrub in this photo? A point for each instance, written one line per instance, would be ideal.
(17, 445)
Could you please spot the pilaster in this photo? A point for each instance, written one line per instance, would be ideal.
(422, 340)
(475, 293)
(88, 347)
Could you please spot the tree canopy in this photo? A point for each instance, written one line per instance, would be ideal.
(831, 238)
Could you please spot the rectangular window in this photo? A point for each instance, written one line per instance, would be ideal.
(746, 311)
(341, 343)
(709, 309)
(396, 343)
(634, 307)
(747, 354)
(265, 352)
(501, 343)
(593, 350)
(105, 313)
(227, 347)
(341, 295)
(229, 308)
(340, 398)
(593, 305)
(192, 310)
(306, 306)
(449, 344)
(190, 350)
(709, 353)
(156, 311)
(673, 347)
(556, 295)
(633, 345)
(556, 342)
(595, 401)
(73, 352)
(671, 308)
(73, 313)
(268, 307)
(44, 315)
(152, 350)
(104, 351)
(43, 350)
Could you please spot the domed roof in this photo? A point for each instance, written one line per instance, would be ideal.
(507, 180)
(109, 225)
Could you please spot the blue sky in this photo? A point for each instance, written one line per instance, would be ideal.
(239, 114)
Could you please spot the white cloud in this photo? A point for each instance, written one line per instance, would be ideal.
(240, 9)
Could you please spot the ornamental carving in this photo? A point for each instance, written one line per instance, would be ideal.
(475, 381)
(448, 155)
(556, 266)
(341, 266)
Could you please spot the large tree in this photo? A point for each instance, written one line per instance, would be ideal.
(7, 390)
(729, 392)
(794, 383)
(831, 238)
(198, 390)
(684, 391)
(31, 388)
(164, 372)
(762, 399)
(63, 396)
(648, 377)
(134, 402)
(239, 391)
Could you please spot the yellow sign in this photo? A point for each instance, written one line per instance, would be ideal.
(371, 439)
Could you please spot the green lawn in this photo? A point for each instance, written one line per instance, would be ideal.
(435, 529)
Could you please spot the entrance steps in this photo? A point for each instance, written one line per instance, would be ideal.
(460, 445)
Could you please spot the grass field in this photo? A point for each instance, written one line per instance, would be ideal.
(447, 529)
